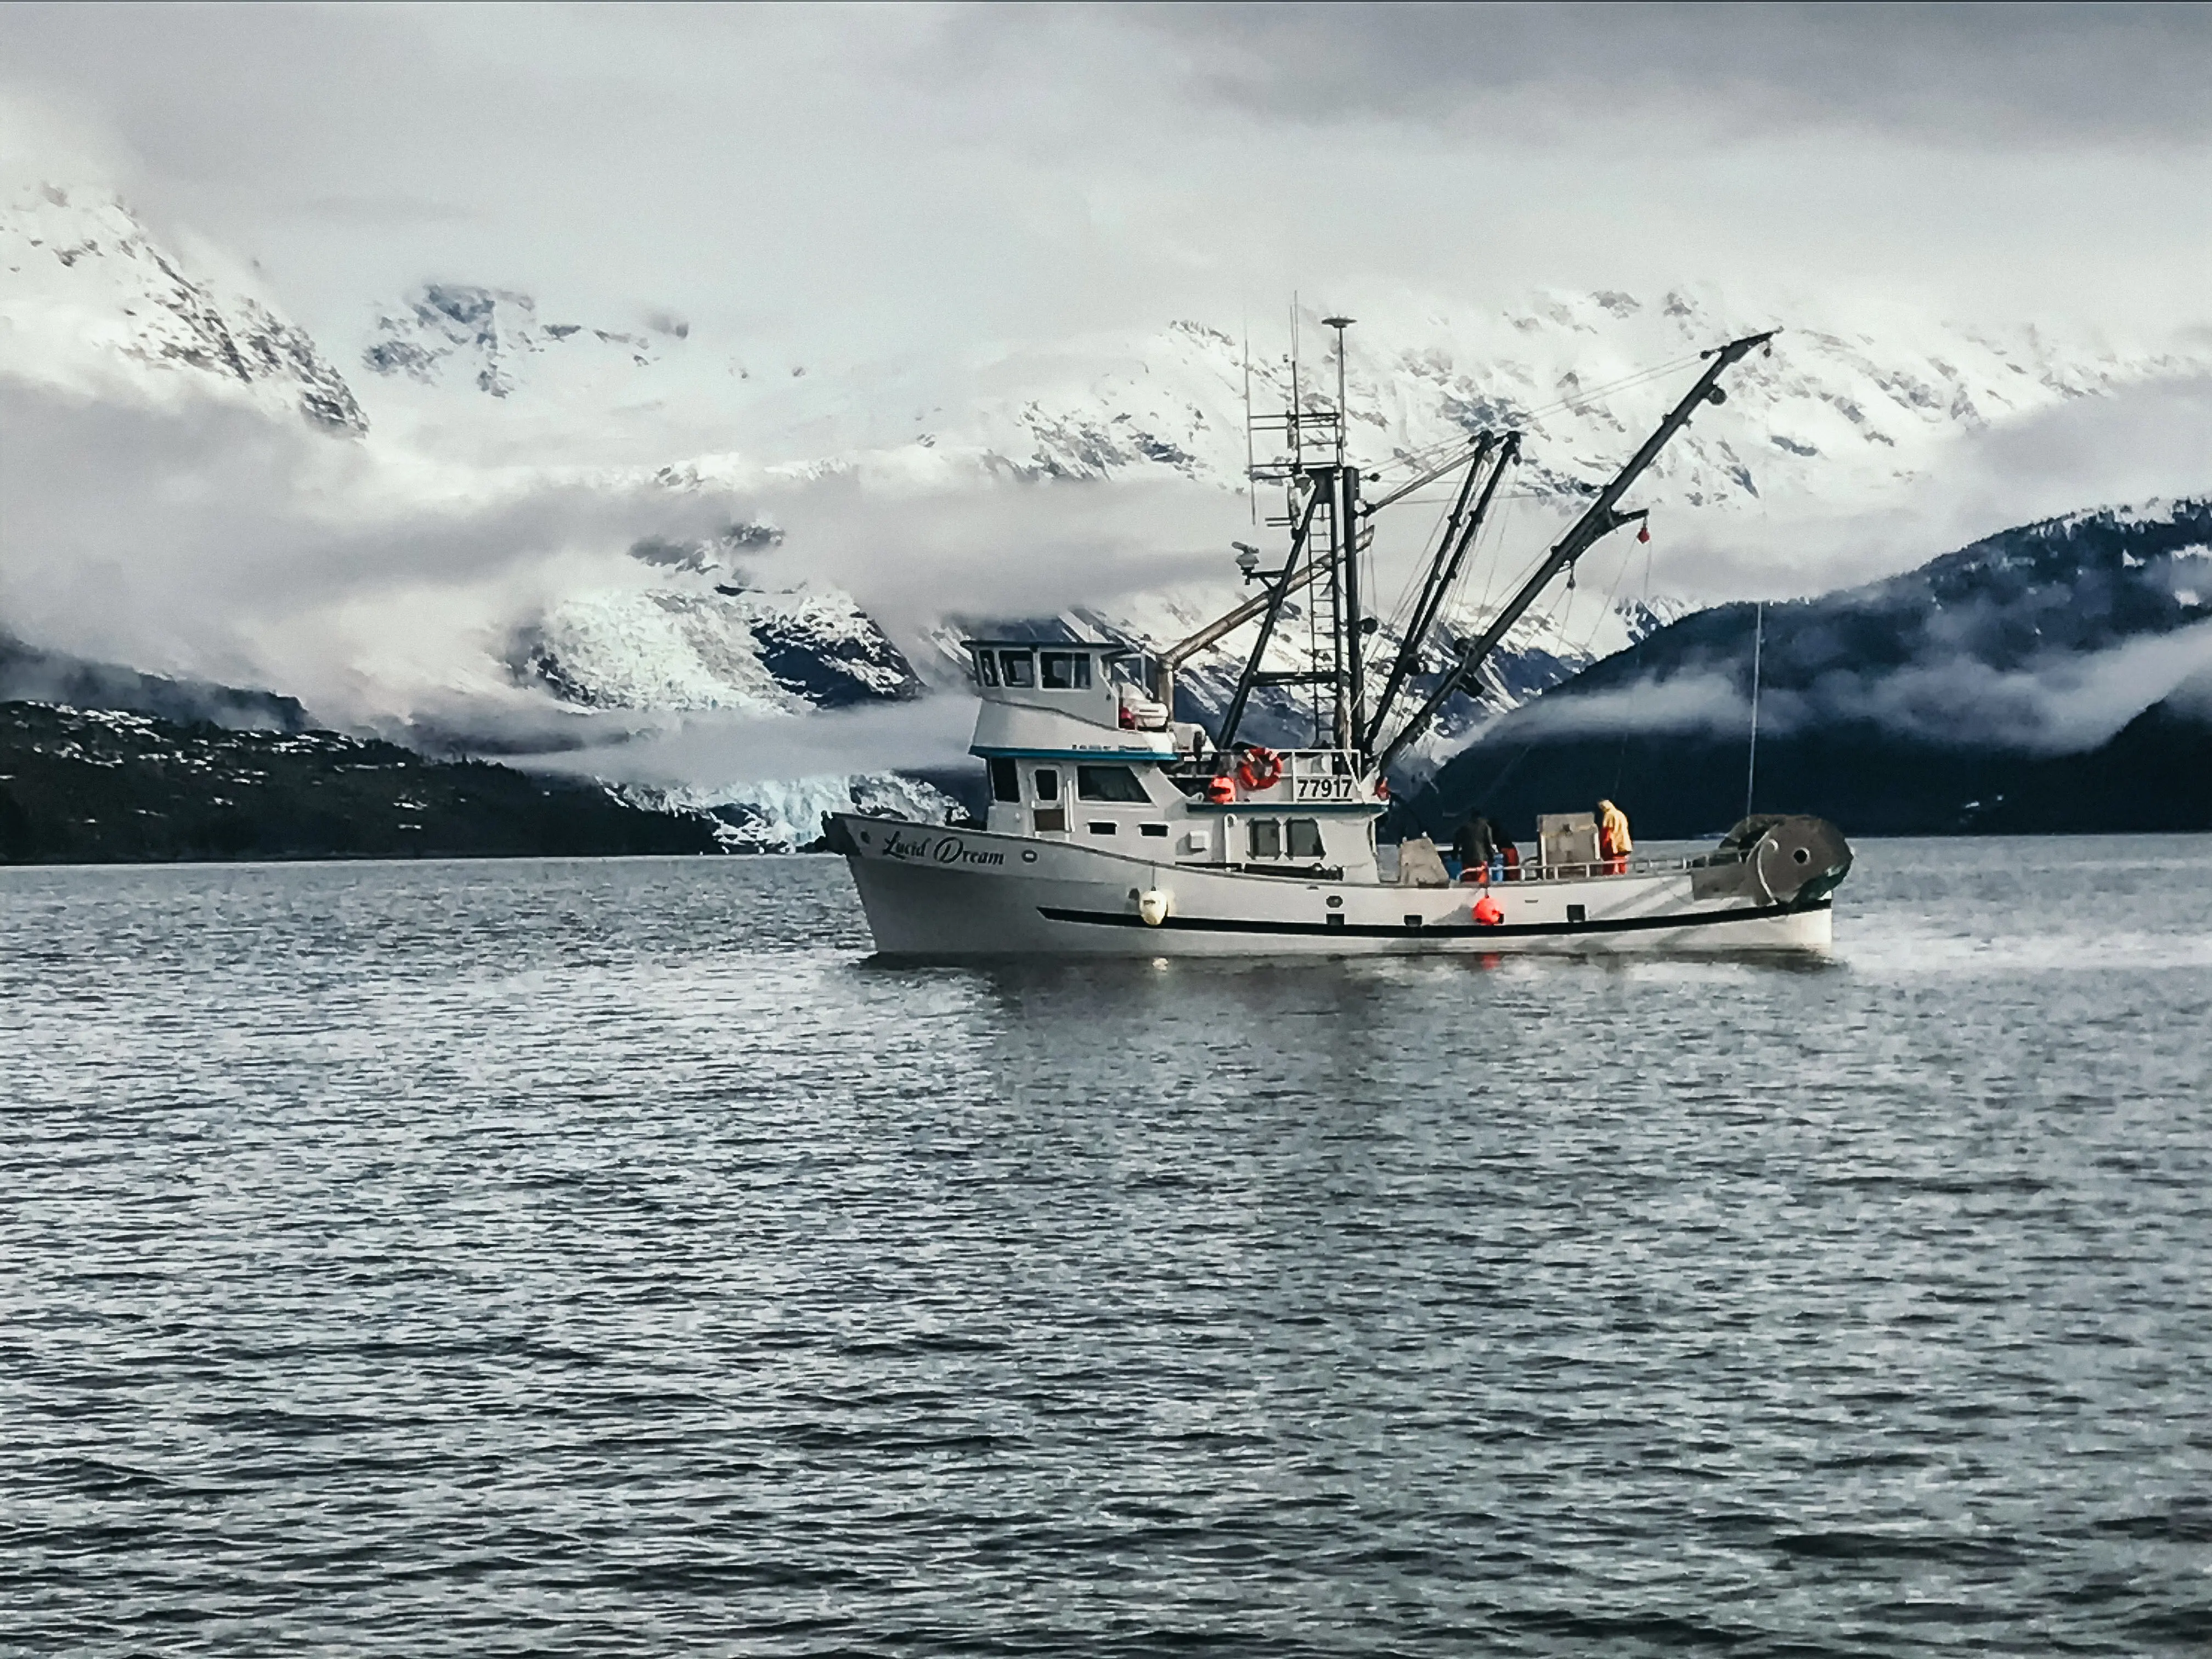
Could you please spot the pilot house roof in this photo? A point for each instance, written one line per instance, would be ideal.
(1095, 648)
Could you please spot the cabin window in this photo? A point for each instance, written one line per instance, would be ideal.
(1304, 836)
(1048, 783)
(1263, 838)
(986, 669)
(1064, 670)
(1006, 781)
(1110, 783)
(1015, 665)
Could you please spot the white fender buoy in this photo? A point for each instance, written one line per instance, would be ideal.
(1154, 906)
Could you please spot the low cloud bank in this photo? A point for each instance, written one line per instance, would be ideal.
(205, 538)
(707, 753)
(2060, 704)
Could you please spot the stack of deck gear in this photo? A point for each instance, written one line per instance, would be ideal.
(1419, 865)
(1567, 839)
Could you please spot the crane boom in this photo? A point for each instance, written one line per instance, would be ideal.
(1600, 519)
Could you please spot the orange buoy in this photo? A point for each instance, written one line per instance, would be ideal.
(1221, 792)
(1488, 913)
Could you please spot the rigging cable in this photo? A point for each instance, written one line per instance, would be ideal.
(1620, 760)
(1575, 401)
(1751, 761)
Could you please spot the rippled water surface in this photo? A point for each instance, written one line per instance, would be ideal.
(606, 1258)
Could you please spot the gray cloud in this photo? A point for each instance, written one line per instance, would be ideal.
(829, 186)
(207, 539)
(911, 555)
(1996, 74)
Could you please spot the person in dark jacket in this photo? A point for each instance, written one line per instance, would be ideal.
(1474, 844)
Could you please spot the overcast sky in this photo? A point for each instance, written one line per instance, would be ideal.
(849, 181)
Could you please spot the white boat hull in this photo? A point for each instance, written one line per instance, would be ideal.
(937, 894)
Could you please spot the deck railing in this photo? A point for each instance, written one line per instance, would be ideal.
(1632, 866)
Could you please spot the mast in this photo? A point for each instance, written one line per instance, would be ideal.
(1180, 652)
(1352, 696)
(1601, 519)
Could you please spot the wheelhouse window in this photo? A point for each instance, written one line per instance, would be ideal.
(1018, 667)
(1304, 837)
(1048, 783)
(1263, 838)
(1006, 781)
(1110, 783)
(1064, 670)
(987, 668)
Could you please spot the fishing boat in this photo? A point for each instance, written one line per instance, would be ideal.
(1115, 830)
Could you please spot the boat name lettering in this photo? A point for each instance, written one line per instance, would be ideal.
(945, 849)
(1325, 789)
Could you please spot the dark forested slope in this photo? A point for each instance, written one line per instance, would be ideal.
(1935, 701)
(79, 787)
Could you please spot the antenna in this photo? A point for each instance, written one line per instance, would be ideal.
(1251, 496)
(1340, 324)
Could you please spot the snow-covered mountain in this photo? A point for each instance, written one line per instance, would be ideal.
(1843, 408)
(1833, 417)
(454, 334)
(1848, 404)
(1846, 409)
(89, 298)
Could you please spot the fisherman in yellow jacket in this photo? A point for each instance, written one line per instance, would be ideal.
(1613, 840)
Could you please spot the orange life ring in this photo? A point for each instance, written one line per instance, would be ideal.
(1260, 769)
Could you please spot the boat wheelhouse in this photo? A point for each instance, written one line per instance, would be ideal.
(1079, 752)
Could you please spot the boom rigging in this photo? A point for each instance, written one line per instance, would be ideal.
(1333, 484)
(1601, 519)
